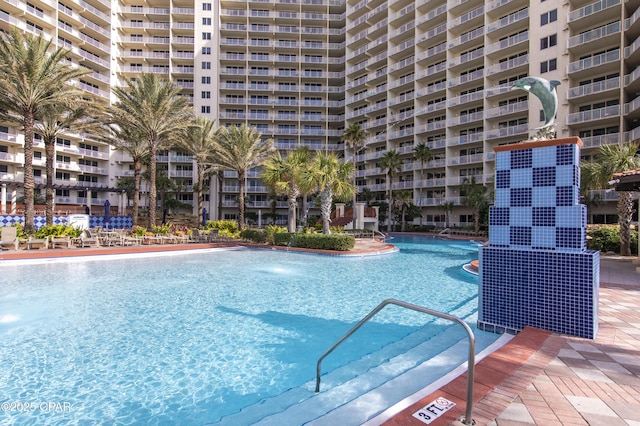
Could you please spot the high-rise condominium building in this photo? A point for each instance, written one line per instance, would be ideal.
(409, 72)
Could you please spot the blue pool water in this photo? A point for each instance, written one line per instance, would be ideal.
(193, 337)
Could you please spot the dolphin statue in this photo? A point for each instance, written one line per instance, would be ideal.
(545, 90)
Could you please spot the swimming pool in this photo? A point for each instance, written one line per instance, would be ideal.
(194, 337)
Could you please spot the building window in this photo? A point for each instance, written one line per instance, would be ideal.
(206, 80)
(206, 65)
(206, 95)
(550, 16)
(206, 51)
(206, 36)
(550, 65)
(206, 21)
(205, 109)
(206, 6)
(548, 41)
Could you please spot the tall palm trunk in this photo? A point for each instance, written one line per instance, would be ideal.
(220, 182)
(153, 196)
(355, 193)
(29, 184)
(326, 198)
(200, 170)
(241, 201)
(625, 214)
(389, 214)
(49, 147)
(292, 199)
(137, 179)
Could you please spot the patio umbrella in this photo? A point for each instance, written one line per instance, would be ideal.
(107, 206)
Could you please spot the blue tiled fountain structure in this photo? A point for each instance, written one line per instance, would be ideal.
(536, 269)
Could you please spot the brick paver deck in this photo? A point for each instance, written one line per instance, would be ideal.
(540, 378)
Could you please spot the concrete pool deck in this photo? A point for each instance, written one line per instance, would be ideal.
(538, 378)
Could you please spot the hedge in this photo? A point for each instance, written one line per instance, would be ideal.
(340, 242)
(606, 238)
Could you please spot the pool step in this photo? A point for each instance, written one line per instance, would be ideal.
(372, 373)
(430, 356)
(347, 404)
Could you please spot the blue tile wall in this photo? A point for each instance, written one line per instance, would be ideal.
(542, 289)
(40, 221)
(536, 270)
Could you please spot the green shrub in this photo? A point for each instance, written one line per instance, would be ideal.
(271, 231)
(231, 226)
(19, 230)
(606, 238)
(339, 242)
(57, 231)
(162, 230)
(282, 238)
(139, 231)
(254, 235)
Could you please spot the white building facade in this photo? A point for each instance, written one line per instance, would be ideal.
(301, 71)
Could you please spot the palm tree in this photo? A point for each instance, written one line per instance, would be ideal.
(240, 149)
(55, 120)
(132, 143)
(31, 78)
(153, 107)
(477, 198)
(596, 174)
(447, 206)
(402, 199)
(392, 163)
(284, 175)
(355, 138)
(200, 143)
(422, 153)
(332, 178)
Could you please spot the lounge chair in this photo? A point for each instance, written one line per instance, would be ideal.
(9, 238)
(130, 240)
(60, 242)
(88, 240)
(33, 242)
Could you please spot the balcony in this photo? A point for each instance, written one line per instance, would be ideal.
(509, 45)
(508, 132)
(465, 99)
(507, 110)
(503, 25)
(600, 140)
(508, 66)
(593, 90)
(466, 139)
(594, 115)
(604, 62)
(466, 118)
(465, 159)
(596, 39)
(594, 13)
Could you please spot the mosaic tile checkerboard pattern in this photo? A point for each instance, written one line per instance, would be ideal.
(39, 221)
(536, 270)
(537, 197)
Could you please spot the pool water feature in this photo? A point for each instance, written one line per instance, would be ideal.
(198, 337)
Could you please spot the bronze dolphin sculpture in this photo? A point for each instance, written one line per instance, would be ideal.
(544, 90)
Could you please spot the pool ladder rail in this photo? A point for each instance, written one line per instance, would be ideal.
(468, 418)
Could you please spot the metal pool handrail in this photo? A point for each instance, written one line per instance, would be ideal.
(468, 420)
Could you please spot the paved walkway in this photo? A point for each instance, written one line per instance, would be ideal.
(540, 378)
